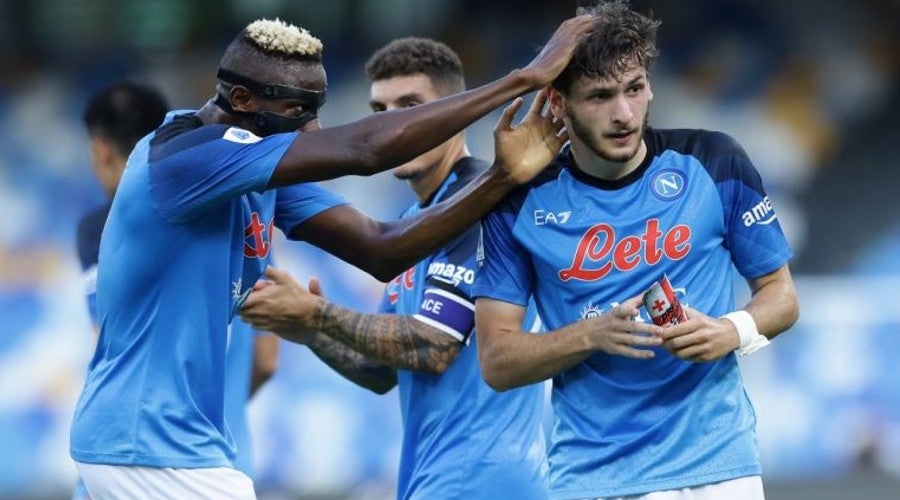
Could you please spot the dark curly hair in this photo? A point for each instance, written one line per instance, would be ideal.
(411, 56)
(124, 112)
(620, 39)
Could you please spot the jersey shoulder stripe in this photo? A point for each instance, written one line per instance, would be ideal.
(182, 133)
(719, 153)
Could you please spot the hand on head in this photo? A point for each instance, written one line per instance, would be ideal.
(524, 150)
(557, 52)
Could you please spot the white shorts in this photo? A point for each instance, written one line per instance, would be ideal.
(742, 488)
(125, 482)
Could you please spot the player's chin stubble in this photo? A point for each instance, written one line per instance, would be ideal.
(586, 135)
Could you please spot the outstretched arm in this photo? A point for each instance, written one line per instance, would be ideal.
(512, 358)
(383, 141)
(386, 249)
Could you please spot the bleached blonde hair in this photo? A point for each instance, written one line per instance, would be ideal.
(282, 38)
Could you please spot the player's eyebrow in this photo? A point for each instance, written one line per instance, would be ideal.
(411, 96)
(636, 79)
(401, 100)
(603, 90)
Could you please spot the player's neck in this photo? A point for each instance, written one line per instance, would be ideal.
(428, 184)
(592, 164)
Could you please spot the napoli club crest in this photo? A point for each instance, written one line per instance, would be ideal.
(668, 185)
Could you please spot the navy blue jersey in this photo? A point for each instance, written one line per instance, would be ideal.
(88, 245)
(580, 245)
(462, 439)
(188, 234)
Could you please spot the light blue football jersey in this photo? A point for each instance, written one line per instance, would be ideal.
(693, 208)
(188, 234)
(238, 371)
(239, 357)
(462, 439)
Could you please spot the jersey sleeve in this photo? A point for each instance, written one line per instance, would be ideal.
(752, 232)
(505, 271)
(295, 204)
(200, 170)
(447, 294)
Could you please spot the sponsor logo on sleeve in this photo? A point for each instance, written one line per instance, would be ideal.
(762, 213)
(241, 136)
(452, 273)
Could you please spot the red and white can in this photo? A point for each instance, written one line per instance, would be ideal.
(662, 304)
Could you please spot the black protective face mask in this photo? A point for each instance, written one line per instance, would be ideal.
(267, 122)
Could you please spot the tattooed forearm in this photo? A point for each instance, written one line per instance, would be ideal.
(397, 341)
(352, 365)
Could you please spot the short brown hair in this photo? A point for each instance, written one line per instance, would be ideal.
(620, 39)
(411, 56)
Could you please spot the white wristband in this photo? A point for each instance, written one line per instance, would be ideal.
(751, 339)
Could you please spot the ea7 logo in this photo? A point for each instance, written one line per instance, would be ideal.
(762, 213)
(542, 217)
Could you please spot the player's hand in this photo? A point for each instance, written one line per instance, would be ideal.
(701, 338)
(614, 332)
(282, 305)
(557, 52)
(524, 150)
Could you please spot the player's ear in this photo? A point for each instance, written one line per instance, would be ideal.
(241, 98)
(557, 102)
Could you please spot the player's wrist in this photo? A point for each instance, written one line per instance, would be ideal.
(525, 80)
(500, 177)
(750, 340)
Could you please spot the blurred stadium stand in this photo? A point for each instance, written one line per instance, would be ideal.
(809, 88)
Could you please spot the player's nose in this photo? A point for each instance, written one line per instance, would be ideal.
(621, 110)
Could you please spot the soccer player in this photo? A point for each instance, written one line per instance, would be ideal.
(461, 439)
(116, 117)
(189, 233)
(640, 411)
